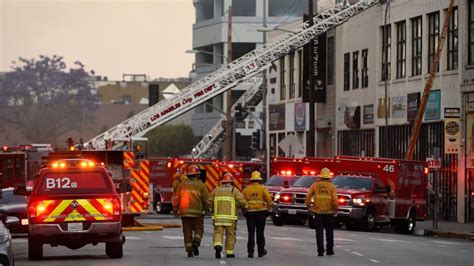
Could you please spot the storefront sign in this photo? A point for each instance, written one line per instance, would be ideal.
(433, 106)
(368, 117)
(452, 130)
(399, 106)
(277, 116)
(300, 117)
(381, 112)
(413, 101)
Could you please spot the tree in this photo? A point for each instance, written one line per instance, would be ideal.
(44, 100)
(171, 140)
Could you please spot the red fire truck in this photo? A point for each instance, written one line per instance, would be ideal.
(163, 170)
(371, 192)
(12, 167)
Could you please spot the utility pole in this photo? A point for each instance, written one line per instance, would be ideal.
(310, 152)
(229, 120)
(266, 155)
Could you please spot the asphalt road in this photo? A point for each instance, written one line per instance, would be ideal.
(288, 245)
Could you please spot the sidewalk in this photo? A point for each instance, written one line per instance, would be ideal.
(446, 229)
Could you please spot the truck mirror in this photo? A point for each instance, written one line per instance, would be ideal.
(124, 188)
(22, 191)
(285, 184)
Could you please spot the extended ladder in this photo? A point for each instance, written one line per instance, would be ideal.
(213, 140)
(229, 75)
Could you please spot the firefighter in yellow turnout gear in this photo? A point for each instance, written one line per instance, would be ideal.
(191, 203)
(260, 202)
(223, 201)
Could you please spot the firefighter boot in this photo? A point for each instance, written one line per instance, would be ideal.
(218, 251)
(190, 255)
(329, 252)
(195, 248)
(262, 254)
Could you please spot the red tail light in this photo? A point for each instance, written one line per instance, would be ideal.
(35, 209)
(342, 201)
(113, 206)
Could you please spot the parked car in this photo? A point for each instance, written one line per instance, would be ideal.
(6, 250)
(14, 205)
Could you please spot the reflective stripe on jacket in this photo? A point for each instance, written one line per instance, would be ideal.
(324, 195)
(191, 198)
(257, 197)
(223, 201)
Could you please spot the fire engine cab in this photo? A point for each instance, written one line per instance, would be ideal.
(74, 202)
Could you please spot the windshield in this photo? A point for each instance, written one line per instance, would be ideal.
(305, 181)
(7, 197)
(54, 183)
(278, 180)
(351, 182)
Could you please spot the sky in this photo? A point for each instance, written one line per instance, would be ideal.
(111, 37)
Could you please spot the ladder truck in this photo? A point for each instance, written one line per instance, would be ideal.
(230, 75)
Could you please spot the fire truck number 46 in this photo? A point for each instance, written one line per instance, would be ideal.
(389, 168)
(64, 182)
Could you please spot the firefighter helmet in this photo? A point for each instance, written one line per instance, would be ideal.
(193, 170)
(325, 173)
(227, 178)
(255, 176)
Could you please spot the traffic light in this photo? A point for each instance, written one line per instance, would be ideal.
(256, 139)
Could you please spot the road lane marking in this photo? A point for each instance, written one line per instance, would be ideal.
(357, 253)
(343, 239)
(132, 238)
(445, 242)
(347, 249)
(222, 262)
(288, 239)
(173, 237)
(389, 240)
(375, 261)
(20, 240)
(241, 238)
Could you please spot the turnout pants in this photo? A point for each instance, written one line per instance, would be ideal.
(229, 231)
(256, 220)
(324, 221)
(193, 230)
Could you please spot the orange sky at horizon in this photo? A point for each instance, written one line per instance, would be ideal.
(111, 37)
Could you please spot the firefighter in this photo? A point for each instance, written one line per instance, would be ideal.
(223, 201)
(323, 193)
(259, 202)
(191, 203)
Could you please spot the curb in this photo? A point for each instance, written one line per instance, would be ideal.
(429, 232)
(145, 228)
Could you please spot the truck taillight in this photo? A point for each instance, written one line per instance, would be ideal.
(116, 208)
(35, 209)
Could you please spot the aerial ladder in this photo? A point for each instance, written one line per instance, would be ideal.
(428, 85)
(229, 75)
(214, 139)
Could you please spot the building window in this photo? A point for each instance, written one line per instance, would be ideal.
(401, 49)
(433, 35)
(347, 71)
(355, 70)
(386, 51)
(282, 79)
(471, 32)
(453, 41)
(330, 61)
(244, 8)
(292, 76)
(365, 68)
(416, 31)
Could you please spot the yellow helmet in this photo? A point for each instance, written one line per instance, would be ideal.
(227, 178)
(325, 173)
(193, 170)
(255, 176)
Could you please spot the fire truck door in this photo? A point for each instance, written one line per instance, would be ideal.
(380, 200)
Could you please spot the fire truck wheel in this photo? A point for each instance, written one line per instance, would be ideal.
(369, 221)
(277, 221)
(35, 249)
(114, 250)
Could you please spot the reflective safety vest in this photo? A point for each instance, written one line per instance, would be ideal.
(191, 198)
(257, 197)
(324, 196)
(223, 201)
